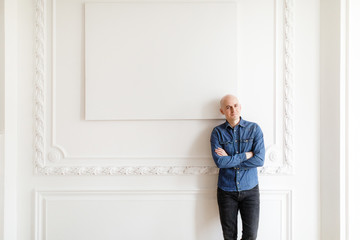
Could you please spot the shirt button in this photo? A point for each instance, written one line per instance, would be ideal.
(238, 172)
(237, 152)
(235, 140)
(238, 183)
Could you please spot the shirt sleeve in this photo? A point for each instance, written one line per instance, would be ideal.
(224, 161)
(258, 149)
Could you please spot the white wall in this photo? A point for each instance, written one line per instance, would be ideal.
(1, 117)
(330, 119)
(334, 118)
(307, 125)
(10, 137)
(76, 206)
(353, 209)
(2, 64)
(10, 119)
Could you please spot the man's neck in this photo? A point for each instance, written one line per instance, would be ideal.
(233, 123)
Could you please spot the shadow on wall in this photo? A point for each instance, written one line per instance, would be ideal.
(212, 107)
(201, 143)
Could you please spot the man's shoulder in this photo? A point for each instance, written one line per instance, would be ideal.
(251, 126)
(245, 123)
(223, 125)
(220, 127)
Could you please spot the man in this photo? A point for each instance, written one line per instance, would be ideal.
(238, 149)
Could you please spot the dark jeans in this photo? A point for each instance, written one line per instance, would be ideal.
(247, 202)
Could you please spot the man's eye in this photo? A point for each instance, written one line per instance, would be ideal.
(227, 107)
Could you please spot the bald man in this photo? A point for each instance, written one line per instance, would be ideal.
(238, 149)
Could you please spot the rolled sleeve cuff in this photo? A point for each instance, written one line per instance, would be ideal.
(242, 157)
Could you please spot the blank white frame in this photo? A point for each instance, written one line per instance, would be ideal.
(136, 50)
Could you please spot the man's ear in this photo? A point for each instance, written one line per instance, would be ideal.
(222, 112)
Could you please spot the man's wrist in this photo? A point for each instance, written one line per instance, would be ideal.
(249, 155)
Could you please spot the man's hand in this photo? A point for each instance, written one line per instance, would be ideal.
(221, 152)
(249, 155)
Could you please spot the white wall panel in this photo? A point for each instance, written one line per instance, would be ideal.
(67, 144)
(10, 134)
(159, 60)
(331, 111)
(51, 50)
(134, 215)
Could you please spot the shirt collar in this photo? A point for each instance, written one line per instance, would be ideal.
(241, 123)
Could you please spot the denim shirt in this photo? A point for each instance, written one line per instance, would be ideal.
(236, 172)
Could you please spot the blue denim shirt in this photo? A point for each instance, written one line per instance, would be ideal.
(236, 172)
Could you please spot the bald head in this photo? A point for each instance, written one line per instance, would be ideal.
(226, 98)
(230, 107)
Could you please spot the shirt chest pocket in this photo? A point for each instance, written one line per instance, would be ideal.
(228, 146)
(246, 144)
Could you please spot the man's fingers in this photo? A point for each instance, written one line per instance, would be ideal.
(221, 152)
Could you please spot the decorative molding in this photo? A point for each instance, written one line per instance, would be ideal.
(285, 198)
(288, 89)
(55, 155)
(42, 198)
(39, 85)
(286, 167)
(273, 160)
(127, 170)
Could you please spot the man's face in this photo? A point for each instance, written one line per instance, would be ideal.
(230, 107)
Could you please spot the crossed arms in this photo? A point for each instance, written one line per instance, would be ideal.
(245, 160)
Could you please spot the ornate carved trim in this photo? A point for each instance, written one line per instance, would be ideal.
(39, 85)
(288, 89)
(286, 167)
(137, 170)
(55, 155)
